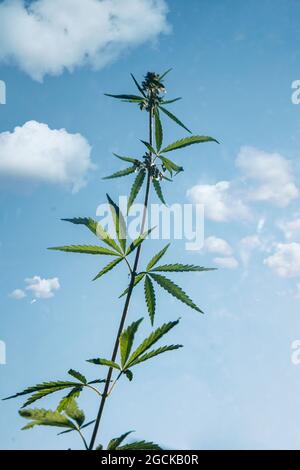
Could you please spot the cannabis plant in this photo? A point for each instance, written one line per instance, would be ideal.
(153, 167)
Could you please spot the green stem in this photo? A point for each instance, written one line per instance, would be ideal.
(128, 297)
(83, 439)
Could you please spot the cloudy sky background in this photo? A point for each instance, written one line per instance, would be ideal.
(234, 384)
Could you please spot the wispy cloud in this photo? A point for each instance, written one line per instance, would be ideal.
(271, 174)
(17, 294)
(285, 261)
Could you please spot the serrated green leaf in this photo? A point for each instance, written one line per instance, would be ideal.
(64, 402)
(97, 229)
(150, 340)
(77, 375)
(135, 161)
(125, 97)
(174, 290)
(114, 443)
(42, 417)
(174, 118)
(140, 445)
(171, 166)
(158, 190)
(157, 257)
(150, 298)
(126, 340)
(108, 268)
(85, 249)
(137, 279)
(119, 222)
(149, 147)
(119, 174)
(138, 85)
(195, 139)
(171, 101)
(42, 390)
(138, 241)
(154, 353)
(137, 184)
(104, 362)
(73, 411)
(158, 130)
(177, 267)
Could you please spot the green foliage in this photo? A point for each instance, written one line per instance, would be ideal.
(138, 241)
(119, 174)
(155, 166)
(85, 249)
(77, 375)
(157, 257)
(126, 340)
(97, 229)
(114, 444)
(195, 139)
(44, 389)
(119, 222)
(139, 354)
(137, 280)
(104, 362)
(158, 190)
(174, 290)
(128, 159)
(137, 184)
(108, 268)
(170, 165)
(72, 417)
(158, 130)
(41, 417)
(171, 116)
(150, 298)
(179, 268)
(140, 445)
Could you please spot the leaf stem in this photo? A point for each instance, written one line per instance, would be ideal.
(128, 297)
(83, 439)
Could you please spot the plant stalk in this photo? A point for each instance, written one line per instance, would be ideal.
(128, 297)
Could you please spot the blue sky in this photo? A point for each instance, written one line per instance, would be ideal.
(233, 385)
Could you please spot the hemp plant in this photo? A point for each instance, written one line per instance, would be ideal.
(152, 168)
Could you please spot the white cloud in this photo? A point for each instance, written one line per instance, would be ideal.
(217, 245)
(273, 174)
(286, 260)
(291, 228)
(36, 153)
(228, 262)
(42, 288)
(48, 36)
(17, 294)
(220, 202)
